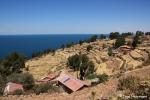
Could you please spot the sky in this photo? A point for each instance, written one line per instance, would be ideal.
(73, 16)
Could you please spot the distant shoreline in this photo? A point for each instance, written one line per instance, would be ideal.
(27, 44)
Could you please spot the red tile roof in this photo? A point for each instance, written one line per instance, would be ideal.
(72, 83)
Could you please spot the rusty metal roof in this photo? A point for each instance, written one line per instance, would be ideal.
(71, 82)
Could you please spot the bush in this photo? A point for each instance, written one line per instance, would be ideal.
(102, 36)
(102, 78)
(17, 92)
(41, 88)
(129, 82)
(89, 47)
(81, 42)
(93, 38)
(91, 76)
(43, 52)
(136, 41)
(45, 88)
(68, 45)
(12, 64)
(110, 52)
(119, 42)
(25, 79)
(114, 35)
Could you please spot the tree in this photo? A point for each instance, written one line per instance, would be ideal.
(81, 63)
(119, 42)
(69, 44)
(147, 33)
(102, 36)
(139, 33)
(114, 35)
(126, 34)
(93, 38)
(13, 63)
(135, 41)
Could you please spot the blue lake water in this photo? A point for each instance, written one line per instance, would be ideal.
(27, 44)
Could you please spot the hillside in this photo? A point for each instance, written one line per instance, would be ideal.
(98, 54)
(121, 64)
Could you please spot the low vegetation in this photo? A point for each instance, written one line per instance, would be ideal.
(45, 88)
(128, 83)
(89, 47)
(114, 35)
(135, 87)
(43, 52)
(119, 42)
(101, 77)
(17, 92)
(110, 51)
(14, 63)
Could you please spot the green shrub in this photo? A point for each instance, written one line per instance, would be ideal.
(17, 92)
(119, 42)
(68, 45)
(114, 35)
(110, 52)
(45, 88)
(102, 78)
(81, 42)
(13, 63)
(91, 76)
(41, 88)
(89, 47)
